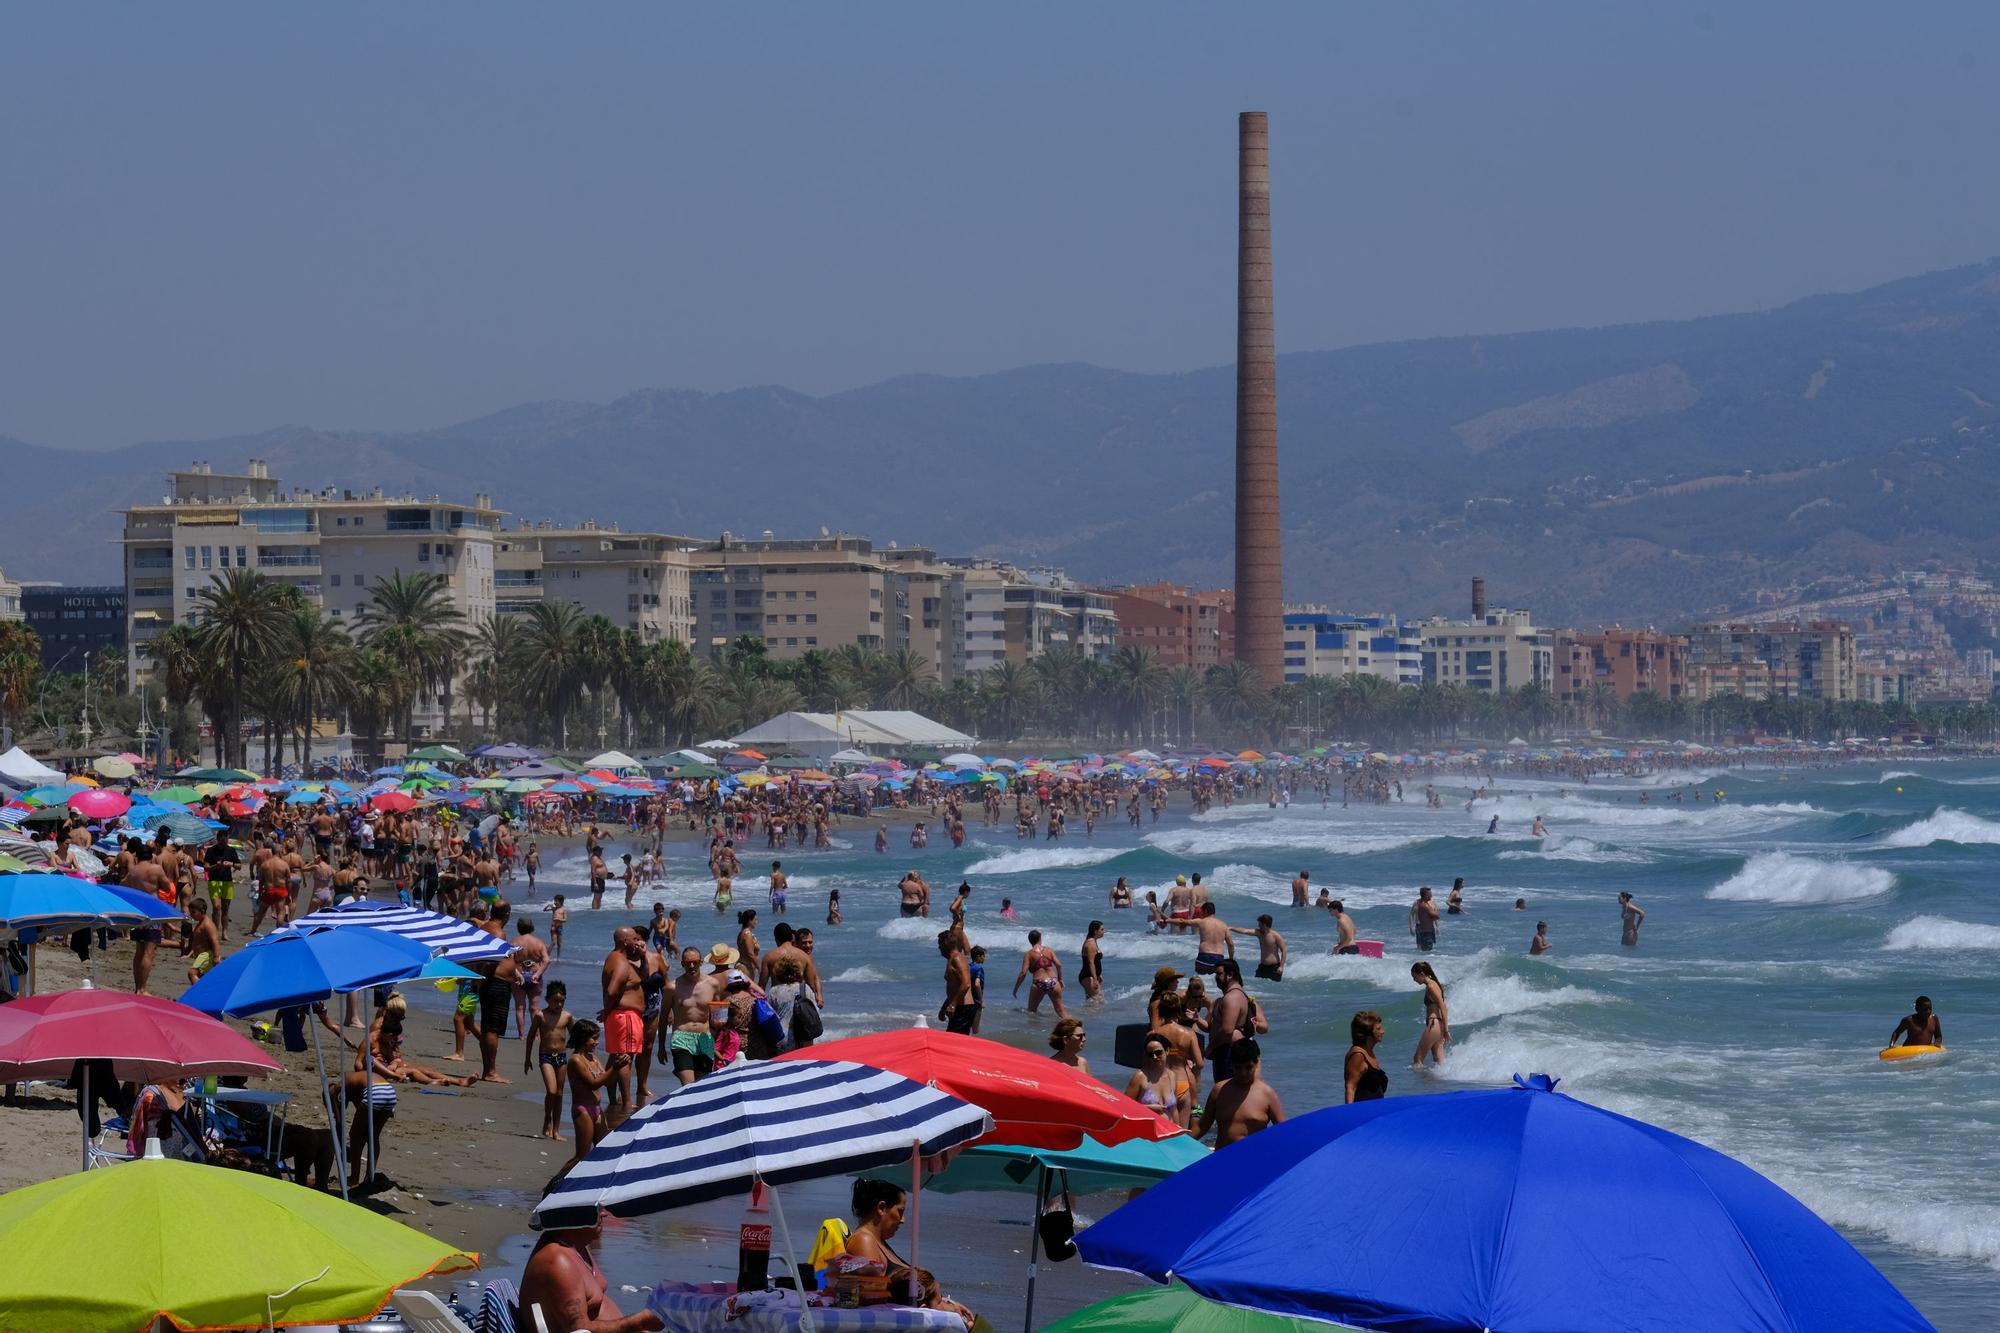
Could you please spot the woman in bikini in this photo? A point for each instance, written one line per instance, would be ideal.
(1366, 1081)
(1437, 1016)
(1156, 1084)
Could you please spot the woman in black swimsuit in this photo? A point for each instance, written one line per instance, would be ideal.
(1365, 1080)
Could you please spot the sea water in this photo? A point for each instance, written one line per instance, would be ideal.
(1787, 928)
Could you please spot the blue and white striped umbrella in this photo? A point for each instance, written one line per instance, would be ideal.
(771, 1121)
(460, 941)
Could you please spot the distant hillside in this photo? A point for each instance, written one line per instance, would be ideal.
(1649, 472)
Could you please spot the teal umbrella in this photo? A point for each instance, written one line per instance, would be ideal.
(1177, 1309)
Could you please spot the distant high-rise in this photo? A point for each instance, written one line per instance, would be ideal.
(1260, 590)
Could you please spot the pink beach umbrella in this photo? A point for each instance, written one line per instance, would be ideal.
(100, 803)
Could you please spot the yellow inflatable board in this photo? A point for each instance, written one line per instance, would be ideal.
(1907, 1052)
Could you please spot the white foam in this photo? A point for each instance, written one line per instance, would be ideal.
(1780, 877)
(1945, 1228)
(1481, 998)
(1010, 938)
(1557, 847)
(1947, 825)
(1275, 835)
(1249, 881)
(857, 975)
(1895, 773)
(1027, 859)
(1936, 932)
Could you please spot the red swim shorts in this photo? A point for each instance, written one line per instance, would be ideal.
(624, 1032)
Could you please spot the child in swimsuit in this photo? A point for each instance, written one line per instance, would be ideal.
(586, 1078)
(549, 1031)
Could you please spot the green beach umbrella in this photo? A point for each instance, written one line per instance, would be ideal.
(1176, 1309)
(184, 795)
(107, 1252)
(440, 753)
(697, 772)
(521, 786)
(488, 784)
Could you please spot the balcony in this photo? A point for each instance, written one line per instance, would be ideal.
(266, 560)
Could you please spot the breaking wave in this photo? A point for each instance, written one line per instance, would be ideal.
(1780, 877)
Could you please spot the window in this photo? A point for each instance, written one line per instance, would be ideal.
(207, 557)
(358, 520)
(811, 596)
(811, 641)
(336, 580)
(240, 561)
(340, 522)
(225, 557)
(791, 594)
(424, 552)
(812, 618)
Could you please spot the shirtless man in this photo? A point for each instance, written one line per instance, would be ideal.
(1424, 920)
(1041, 965)
(1302, 889)
(1540, 944)
(958, 1013)
(1270, 948)
(1241, 1104)
(1921, 1028)
(780, 887)
(1212, 943)
(1231, 1019)
(562, 1278)
(1343, 923)
(599, 873)
(558, 918)
(692, 1045)
(1180, 904)
(531, 958)
(1630, 915)
(623, 1014)
(960, 901)
(533, 864)
(146, 876)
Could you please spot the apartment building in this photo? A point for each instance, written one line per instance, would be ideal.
(10, 599)
(1180, 626)
(330, 544)
(1496, 650)
(1017, 615)
(1319, 642)
(800, 594)
(1811, 660)
(639, 581)
(1712, 680)
(1627, 660)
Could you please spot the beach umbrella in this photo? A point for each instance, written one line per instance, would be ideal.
(106, 1252)
(144, 1037)
(439, 754)
(1558, 1215)
(49, 902)
(1177, 1309)
(767, 1123)
(520, 786)
(305, 798)
(439, 934)
(190, 829)
(116, 767)
(180, 793)
(291, 967)
(54, 794)
(1035, 1101)
(487, 784)
(394, 801)
(216, 775)
(506, 751)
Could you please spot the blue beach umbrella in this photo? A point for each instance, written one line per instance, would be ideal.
(1555, 1215)
(292, 966)
(63, 902)
(436, 932)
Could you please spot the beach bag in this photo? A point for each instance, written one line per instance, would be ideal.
(806, 1024)
(765, 1019)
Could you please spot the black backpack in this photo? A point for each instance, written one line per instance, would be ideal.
(806, 1024)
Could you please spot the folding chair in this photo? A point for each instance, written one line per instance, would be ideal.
(426, 1313)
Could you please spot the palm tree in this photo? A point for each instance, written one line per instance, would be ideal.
(1012, 688)
(238, 617)
(411, 619)
(377, 692)
(1183, 690)
(905, 676)
(1139, 683)
(309, 673)
(553, 666)
(496, 644)
(1234, 693)
(20, 667)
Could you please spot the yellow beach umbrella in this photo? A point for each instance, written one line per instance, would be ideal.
(108, 1251)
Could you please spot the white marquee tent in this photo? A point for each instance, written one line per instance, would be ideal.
(874, 730)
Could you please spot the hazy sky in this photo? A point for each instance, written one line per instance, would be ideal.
(221, 218)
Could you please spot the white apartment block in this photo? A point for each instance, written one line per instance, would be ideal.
(1014, 615)
(330, 544)
(1501, 650)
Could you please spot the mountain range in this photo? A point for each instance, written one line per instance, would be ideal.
(1646, 473)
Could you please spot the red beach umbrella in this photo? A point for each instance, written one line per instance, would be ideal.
(1035, 1102)
(394, 801)
(100, 803)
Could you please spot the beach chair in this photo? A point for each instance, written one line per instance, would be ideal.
(426, 1313)
(497, 1306)
(97, 1154)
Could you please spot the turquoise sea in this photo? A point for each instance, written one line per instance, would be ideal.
(1787, 929)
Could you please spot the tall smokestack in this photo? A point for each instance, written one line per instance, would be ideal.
(1260, 589)
(1478, 598)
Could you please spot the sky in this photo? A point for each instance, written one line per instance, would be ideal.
(229, 217)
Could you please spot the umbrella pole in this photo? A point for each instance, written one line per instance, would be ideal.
(368, 1074)
(1035, 1247)
(916, 1212)
(792, 1257)
(83, 1116)
(326, 1098)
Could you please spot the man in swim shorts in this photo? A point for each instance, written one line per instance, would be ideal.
(692, 1045)
(1213, 941)
(624, 1010)
(1344, 923)
(1424, 920)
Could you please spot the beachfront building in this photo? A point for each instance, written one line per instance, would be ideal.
(1884, 685)
(329, 544)
(1179, 625)
(1018, 615)
(639, 581)
(1810, 660)
(75, 625)
(10, 599)
(801, 594)
(1628, 661)
(1496, 650)
(1319, 642)
(1712, 680)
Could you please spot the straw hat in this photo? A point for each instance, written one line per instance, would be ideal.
(721, 955)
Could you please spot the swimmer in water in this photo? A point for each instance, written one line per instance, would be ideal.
(1631, 915)
(1539, 830)
(1540, 944)
(1493, 825)
(1919, 1029)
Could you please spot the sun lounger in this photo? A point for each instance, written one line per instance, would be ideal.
(426, 1313)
